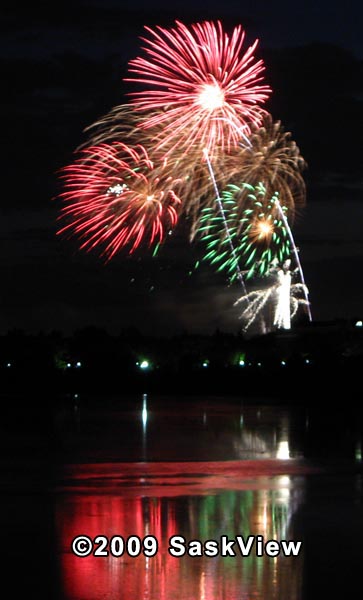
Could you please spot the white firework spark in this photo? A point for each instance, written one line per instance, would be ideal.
(254, 302)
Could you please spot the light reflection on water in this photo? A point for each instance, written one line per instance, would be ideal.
(267, 509)
(149, 430)
(199, 471)
(200, 468)
(203, 469)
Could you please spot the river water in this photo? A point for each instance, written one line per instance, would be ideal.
(144, 477)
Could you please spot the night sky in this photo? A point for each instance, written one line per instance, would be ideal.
(63, 65)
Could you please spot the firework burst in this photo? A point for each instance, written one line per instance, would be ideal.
(206, 87)
(120, 124)
(259, 237)
(195, 127)
(273, 158)
(257, 304)
(116, 198)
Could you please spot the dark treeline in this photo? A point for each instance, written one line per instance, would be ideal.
(92, 360)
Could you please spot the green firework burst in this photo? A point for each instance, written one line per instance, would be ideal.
(254, 242)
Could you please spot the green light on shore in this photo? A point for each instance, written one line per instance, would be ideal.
(240, 359)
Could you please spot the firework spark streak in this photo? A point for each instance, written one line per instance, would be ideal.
(257, 300)
(116, 198)
(203, 82)
(149, 162)
(259, 238)
(296, 254)
(226, 228)
(273, 158)
(197, 189)
(120, 124)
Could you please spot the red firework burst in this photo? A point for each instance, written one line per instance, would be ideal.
(203, 82)
(115, 198)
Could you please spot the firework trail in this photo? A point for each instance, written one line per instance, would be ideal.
(203, 82)
(225, 225)
(116, 198)
(296, 254)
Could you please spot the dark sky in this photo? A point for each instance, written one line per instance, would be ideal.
(63, 65)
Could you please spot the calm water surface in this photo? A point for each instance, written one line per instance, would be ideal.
(202, 469)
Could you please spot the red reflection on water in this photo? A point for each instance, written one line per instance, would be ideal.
(158, 499)
(102, 577)
(177, 478)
